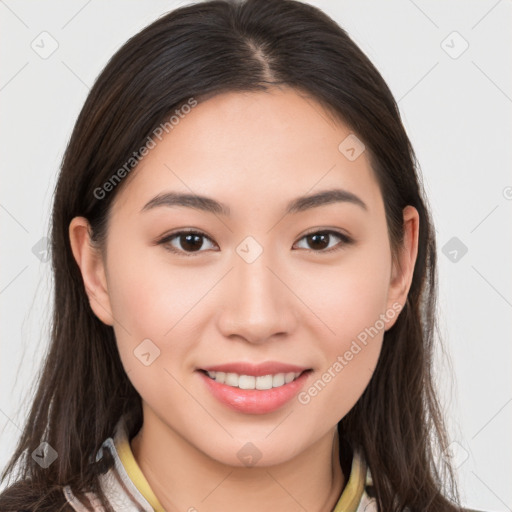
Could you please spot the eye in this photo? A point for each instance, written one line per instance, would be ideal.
(190, 242)
(320, 240)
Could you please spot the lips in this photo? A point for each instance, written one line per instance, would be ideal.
(244, 387)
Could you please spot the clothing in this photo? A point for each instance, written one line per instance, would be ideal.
(128, 490)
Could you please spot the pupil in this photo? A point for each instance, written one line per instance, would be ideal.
(315, 237)
(192, 245)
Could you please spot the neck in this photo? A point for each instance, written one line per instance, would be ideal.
(185, 478)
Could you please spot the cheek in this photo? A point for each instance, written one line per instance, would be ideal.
(351, 305)
(150, 308)
(149, 295)
(349, 297)
(143, 305)
(156, 301)
(336, 388)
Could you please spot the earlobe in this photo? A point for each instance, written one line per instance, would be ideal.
(92, 267)
(403, 269)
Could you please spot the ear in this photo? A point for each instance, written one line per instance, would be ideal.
(403, 268)
(92, 267)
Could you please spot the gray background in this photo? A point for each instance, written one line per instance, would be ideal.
(456, 105)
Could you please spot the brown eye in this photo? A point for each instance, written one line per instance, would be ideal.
(320, 241)
(184, 242)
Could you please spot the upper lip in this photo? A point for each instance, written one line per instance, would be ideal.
(257, 370)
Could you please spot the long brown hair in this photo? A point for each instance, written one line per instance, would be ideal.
(199, 51)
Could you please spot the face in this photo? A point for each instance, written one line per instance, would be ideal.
(310, 290)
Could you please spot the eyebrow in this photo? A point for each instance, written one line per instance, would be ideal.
(207, 204)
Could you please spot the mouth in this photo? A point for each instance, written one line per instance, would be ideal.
(254, 389)
(260, 382)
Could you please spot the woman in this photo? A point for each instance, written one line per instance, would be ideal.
(245, 282)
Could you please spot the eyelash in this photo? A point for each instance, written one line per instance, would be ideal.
(346, 240)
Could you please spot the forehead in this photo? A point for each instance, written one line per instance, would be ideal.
(251, 149)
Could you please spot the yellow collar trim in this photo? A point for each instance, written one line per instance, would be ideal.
(135, 473)
(353, 491)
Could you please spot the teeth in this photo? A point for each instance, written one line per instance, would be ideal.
(252, 382)
(289, 377)
(246, 382)
(231, 379)
(278, 380)
(264, 382)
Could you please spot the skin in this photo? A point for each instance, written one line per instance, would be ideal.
(296, 304)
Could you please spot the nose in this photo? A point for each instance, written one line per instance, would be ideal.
(259, 304)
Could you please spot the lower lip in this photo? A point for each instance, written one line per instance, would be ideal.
(255, 401)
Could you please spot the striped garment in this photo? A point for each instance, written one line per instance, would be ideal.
(128, 490)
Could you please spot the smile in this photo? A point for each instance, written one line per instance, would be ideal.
(261, 382)
(263, 393)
